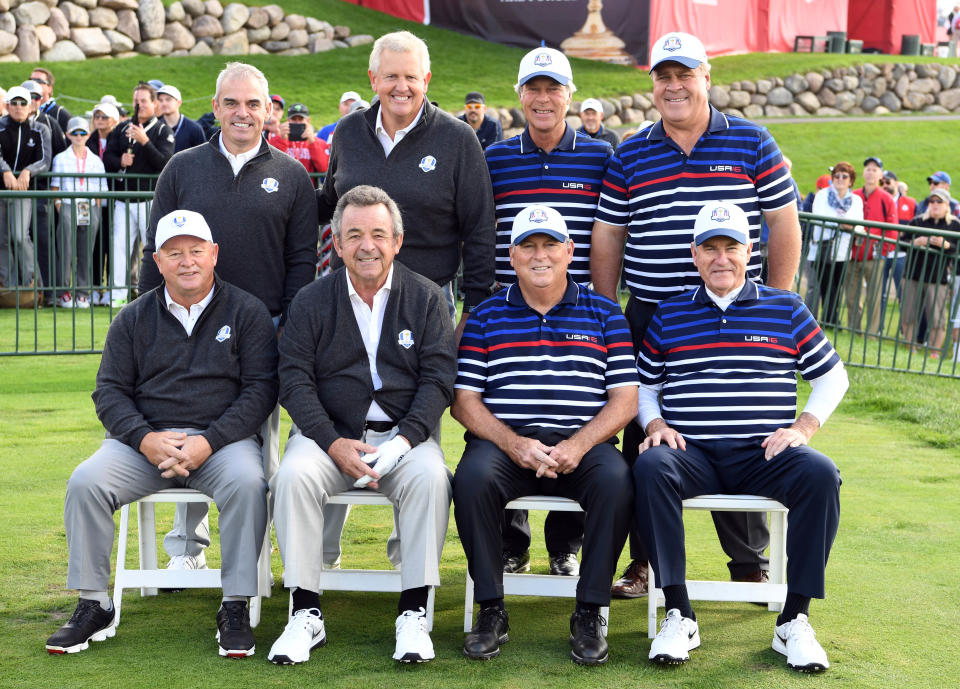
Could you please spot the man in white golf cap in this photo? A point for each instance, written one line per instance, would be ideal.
(727, 425)
(188, 374)
(186, 132)
(347, 101)
(655, 183)
(536, 426)
(591, 115)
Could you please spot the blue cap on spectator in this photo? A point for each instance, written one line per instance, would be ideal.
(156, 84)
(939, 177)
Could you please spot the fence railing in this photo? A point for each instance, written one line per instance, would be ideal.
(875, 311)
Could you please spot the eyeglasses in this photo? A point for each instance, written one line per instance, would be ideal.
(841, 175)
(99, 116)
(474, 106)
(79, 132)
(936, 199)
(18, 101)
(886, 181)
(36, 96)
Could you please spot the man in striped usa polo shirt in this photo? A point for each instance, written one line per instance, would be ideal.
(545, 381)
(548, 163)
(654, 186)
(718, 395)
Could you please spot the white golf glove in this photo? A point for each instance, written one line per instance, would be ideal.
(384, 459)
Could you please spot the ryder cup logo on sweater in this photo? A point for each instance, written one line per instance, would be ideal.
(405, 339)
(223, 333)
(543, 60)
(720, 215)
(672, 44)
(428, 163)
(269, 185)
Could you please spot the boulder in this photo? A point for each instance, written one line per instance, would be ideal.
(880, 110)
(187, 20)
(276, 13)
(319, 44)
(120, 4)
(193, 7)
(719, 96)
(201, 49)
(315, 25)
(814, 80)
(828, 112)
(64, 51)
(915, 101)
(758, 99)
(797, 110)
(9, 24)
(850, 82)
(257, 50)
(235, 43)
(280, 32)
(293, 52)
(175, 12)
(213, 8)
(925, 85)
(9, 58)
(155, 46)
(764, 85)
(845, 101)
(127, 23)
(641, 102)
(234, 17)
(902, 86)
(871, 71)
(739, 99)
(946, 76)
(624, 102)
(752, 111)
(949, 98)
(258, 18)
(836, 84)
(735, 113)
(341, 32)
(890, 101)
(119, 42)
(935, 109)
(206, 25)
(179, 35)
(296, 21)
(928, 70)
(92, 42)
(827, 97)
(258, 35)
(795, 83)
(32, 13)
(76, 16)
(103, 17)
(779, 96)
(337, 43)
(152, 18)
(85, 4)
(808, 101)
(28, 47)
(879, 87)
(869, 103)
(631, 115)
(45, 37)
(359, 39)
(298, 38)
(517, 117)
(748, 86)
(652, 114)
(276, 46)
(775, 111)
(613, 121)
(8, 41)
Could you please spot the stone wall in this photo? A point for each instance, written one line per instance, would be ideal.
(51, 31)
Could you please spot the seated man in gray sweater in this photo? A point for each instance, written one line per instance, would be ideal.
(367, 365)
(188, 375)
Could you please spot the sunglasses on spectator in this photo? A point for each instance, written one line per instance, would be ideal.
(40, 81)
(936, 199)
(473, 106)
(36, 96)
(841, 175)
(18, 101)
(79, 132)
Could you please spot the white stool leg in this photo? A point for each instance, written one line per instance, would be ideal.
(652, 601)
(147, 529)
(431, 595)
(468, 604)
(778, 553)
(120, 575)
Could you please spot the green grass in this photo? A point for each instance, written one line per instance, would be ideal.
(893, 569)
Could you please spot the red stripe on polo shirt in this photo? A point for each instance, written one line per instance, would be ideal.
(724, 345)
(622, 190)
(771, 170)
(548, 343)
(804, 340)
(544, 191)
(692, 175)
(469, 348)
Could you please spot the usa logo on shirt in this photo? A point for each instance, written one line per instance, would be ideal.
(428, 163)
(672, 44)
(223, 333)
(270, 185)
(720, 215)
(543, 60)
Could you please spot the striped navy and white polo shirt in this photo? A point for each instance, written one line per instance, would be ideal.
(551, 370)
(732, 374)
(568, 179)
(655, 190)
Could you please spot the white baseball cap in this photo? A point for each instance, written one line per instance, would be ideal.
(350, 95)
(538, 220)
(678, 47)
(17, 92)
(592, 104)
(108, 109)
(721, 219)
(77, 122)
(182, 222)
(171, 91)
(545, 62)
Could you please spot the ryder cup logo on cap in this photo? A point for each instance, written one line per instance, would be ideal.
(538, 220)
(428, 163)
(182, 222)
(678, 47)
(269, 185)
(721, 219)
(544, 62)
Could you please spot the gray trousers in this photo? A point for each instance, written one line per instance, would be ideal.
(117, 474)
(419, 487)
(16, 246)
(76, 241)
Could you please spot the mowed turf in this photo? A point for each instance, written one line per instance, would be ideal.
(888, 621)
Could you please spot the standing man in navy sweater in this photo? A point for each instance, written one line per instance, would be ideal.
(188, 374)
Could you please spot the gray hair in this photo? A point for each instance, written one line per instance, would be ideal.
(399, 42)
(365, 196)
(240, 70)
(571, 88)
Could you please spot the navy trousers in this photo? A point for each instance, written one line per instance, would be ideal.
(807, 482)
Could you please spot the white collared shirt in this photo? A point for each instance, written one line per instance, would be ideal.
(187, 317)
(237, 161)
(724, 302)
(385, 139)
(370, 322)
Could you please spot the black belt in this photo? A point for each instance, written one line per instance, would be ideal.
(378, 426)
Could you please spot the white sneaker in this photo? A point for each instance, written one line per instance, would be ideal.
(303, 633)
(797, 640)
(413, 639)
(188, 561)
(678, 636)
(65, 301)
(82, 302)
